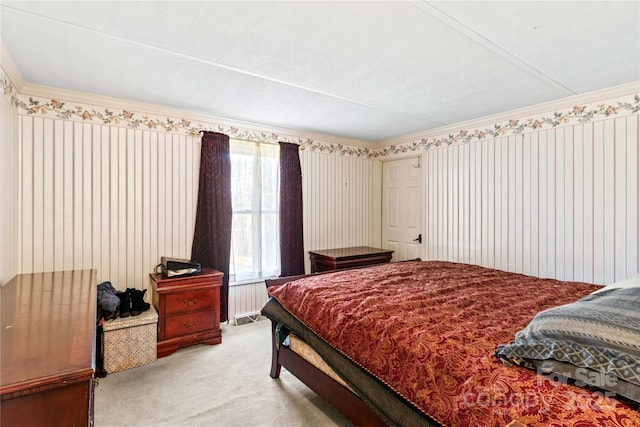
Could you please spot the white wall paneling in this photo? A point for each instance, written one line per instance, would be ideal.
(557, 202)
(340, 209)
(246, 299)
(9, 190)
(561, 202)
(105, 197)
(117, 199)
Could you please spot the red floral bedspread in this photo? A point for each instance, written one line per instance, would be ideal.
(429, 330)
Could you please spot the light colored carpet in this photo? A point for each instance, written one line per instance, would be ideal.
(222, 385)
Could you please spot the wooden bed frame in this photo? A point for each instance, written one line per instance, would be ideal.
(338, 396)
(347, 402)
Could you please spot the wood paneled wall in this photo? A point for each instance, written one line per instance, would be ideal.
(117, 199)
(105, 197)
(246, 299)
(560, 203)
(341, 201)
(9, 191)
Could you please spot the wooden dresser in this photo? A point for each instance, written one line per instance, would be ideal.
(341, 258)
(188, 310)
(47, 352)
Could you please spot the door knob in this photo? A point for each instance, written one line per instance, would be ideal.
(419, 239)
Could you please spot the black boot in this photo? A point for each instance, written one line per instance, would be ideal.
(125, 303)
(137, 301)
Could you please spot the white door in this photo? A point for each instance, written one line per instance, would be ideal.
(402, 208)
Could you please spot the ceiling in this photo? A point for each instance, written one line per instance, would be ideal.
(365, 70)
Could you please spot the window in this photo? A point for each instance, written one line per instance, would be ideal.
(255, 187)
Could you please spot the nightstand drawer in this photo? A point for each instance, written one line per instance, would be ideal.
(185, 324)
(189, 301)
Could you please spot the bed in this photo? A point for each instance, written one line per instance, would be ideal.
(439, 343)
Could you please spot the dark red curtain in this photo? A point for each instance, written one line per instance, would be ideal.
(212, 234)
(291, 240)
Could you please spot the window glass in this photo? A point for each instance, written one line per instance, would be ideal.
(254, 192)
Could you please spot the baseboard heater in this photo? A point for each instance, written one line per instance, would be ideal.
(245, 318)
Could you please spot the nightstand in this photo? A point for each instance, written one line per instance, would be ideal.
(188, 310)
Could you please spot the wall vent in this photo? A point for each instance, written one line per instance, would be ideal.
(246, 318)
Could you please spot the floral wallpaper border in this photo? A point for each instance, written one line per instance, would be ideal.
(9, 91)
(576, 114)
(61, 110)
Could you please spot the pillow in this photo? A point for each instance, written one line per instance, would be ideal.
(595, 341)
(629, 282)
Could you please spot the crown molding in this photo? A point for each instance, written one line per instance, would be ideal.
(10, 68)
(602, 95)
(70, 96)
(85, 107)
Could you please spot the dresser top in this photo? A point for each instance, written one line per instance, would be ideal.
(355, 251)
(48, 328)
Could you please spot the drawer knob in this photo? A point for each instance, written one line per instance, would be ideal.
(189, 326)
(195, 301)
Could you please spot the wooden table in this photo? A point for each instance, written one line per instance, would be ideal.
(48, 346)
(341, 258)
(188, 310)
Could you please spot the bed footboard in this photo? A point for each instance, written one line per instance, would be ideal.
(345, 401)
